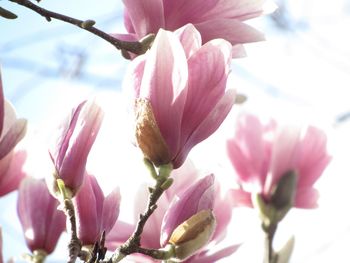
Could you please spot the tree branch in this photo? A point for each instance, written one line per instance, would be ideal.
(137, 47)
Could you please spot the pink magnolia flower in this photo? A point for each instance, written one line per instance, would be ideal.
(212, 18)
(37, 210)
(180, 91)
(182, 200)
(75, 137)
(12, 130)
(94, 212)
(262, 154)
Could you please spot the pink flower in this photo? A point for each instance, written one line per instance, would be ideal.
(176, 205)
(94, 212)
(12, 130)
(212, 18)
(262, 154)
(75, 137)
(42, 223)
(180, 91)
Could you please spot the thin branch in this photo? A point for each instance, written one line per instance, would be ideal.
(133, 244)
(74, 245)
(137, 47)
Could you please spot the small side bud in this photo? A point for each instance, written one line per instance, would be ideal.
(240, 99)
(148, 136)
(7, 14)
(283, 196)
(192, 234)
(87, 24)
(147, 42)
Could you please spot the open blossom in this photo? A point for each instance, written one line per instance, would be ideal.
(94, 212)
(180, 93)
(212, 18)
(186, 197)
(37, 210)
(262, 154)
(12, 130)
(75, 137)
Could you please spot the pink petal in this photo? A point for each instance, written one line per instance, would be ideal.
(198, 197)
(42, 223)
(110, 210)
(10, 180)
(190, 39)
(89, 204)
(238, 9)
(232, 30)
(164, 83)
(208, 126)
(208, 73)
(120, 232)
(284, 155)
(313, 157)
(247, 151)
(12, 137)
(238, 51)
(306, 198)
(223, 212)
(145, 16)
(241, 198)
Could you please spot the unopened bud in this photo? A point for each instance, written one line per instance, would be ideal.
(88, 24)
(284, 193)
(7, 14)
(192, 234)
(148, 136)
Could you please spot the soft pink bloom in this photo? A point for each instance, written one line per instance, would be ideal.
(176, 205)
(212, 18)
(42, 223)
(185, 84)
(262, 154)
(94, 212)
(75, 137)
(12, 130)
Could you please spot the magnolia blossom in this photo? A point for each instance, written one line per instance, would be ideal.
(212, 18)
(262, 154)
(180, 93)
(75, 137)
(94, 212)
(12, 130)
(186, 197)
(37, 210)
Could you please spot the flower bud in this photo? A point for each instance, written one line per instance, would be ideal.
(37, 210)
(148, 136)
(76, 135)
(193, 234)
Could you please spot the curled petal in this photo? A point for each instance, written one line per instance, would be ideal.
(110, 210)
(190, 39)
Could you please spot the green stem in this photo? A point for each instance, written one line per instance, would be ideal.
(270, 255)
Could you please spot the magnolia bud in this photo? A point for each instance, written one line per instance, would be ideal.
(148, 136)
(192, 234)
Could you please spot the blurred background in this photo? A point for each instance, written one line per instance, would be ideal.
(301, 73)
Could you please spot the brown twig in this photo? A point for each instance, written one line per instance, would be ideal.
(74, 246)
(88, 25)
